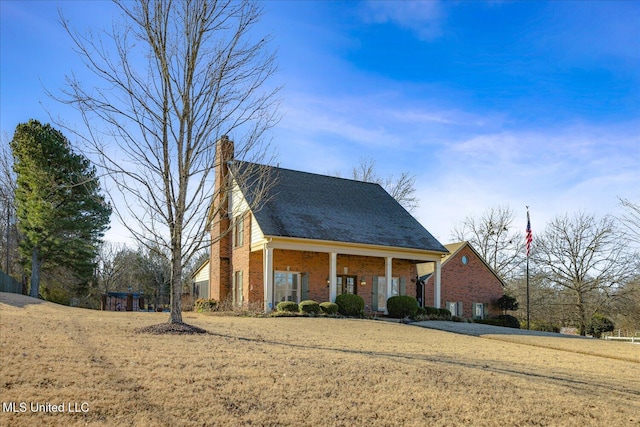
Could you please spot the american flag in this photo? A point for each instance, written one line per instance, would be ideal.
(529, 236)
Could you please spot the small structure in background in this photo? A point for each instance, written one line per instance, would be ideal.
(122, 301)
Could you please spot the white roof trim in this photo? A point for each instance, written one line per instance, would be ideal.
(351, 249)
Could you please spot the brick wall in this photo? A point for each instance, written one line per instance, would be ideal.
(470, 283)
(240, 258)
(316, 265)
(255, 278)
(220, 261)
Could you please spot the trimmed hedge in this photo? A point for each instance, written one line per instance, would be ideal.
(422, 312)
(432, 311)
(401, 306)
(309, 307)
(444, 312)
(288, 306)
(284, 314)
(329, 308)
(509, 321)
(350, 305)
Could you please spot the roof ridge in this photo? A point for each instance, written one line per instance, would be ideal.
(307, 173)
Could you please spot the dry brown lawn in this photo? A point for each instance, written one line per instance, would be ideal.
(301, 371)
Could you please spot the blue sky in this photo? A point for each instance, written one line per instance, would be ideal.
(487, 103)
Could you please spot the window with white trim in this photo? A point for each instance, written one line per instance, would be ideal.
(479, 310)
(395, 286)
(286, 287)
(237, 290)
(454, 307)
(381, 292)
(238, 231)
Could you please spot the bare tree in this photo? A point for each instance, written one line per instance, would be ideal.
(110, 272)
(8, 231)
(630, 220)
(625, 309)
(144, 270)
(494, 236)
(402, 188)
(585, 256)
(178, 77)
(153, 274)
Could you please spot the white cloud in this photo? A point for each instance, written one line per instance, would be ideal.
(554, 171)
(424, 18)
(465, 161)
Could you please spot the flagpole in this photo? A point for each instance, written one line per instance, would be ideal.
(528, 322)
(528, 240)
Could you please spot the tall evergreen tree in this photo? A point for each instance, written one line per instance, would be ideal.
(60, 211)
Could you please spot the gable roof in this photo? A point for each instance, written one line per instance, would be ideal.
(425, 270)
(197, 271)
(320, 207)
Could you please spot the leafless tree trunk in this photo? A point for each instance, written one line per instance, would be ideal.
(494, 236)
(178, 75)
(584, 255)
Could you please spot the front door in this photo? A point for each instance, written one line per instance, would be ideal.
(347, 284)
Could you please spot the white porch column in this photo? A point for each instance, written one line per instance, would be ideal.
(436, 286)
(268, 278)
(333, 285)
(388, 272)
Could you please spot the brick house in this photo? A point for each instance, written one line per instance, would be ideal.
(469, 286)
(310, 236)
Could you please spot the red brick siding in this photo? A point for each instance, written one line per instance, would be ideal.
(316, 264)
(255, 278)
(471, 283)
(220, 262)
(240, 258)
(226, 260)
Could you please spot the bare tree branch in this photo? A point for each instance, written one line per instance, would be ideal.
(494, 236)
(402, 189)
(630, 220)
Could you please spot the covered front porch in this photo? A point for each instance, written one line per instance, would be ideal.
(322, 270)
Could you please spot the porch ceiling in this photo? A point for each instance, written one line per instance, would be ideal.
(343, 248)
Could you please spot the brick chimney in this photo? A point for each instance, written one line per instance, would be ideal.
(220, 263)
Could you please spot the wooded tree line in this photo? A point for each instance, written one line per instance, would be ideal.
(141, 270)
(40, 175)
(580, 265)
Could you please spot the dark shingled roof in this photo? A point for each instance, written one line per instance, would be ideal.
(310, 206)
